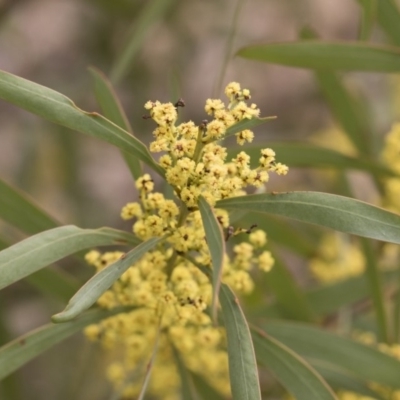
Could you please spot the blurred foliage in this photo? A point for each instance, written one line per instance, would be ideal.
(169, 49)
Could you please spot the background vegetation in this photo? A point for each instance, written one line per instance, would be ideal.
(169, 49)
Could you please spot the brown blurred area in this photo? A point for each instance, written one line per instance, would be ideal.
(81, 180)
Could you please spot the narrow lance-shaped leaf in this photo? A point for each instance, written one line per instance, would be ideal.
(3, 243)
(99, 283)
(339, 379)
(296, 154)
(54, 282)
(396, 312)
(246, 124)
(112, 109)
(242, 363)
(345, 109)
(388, 15)
(328, 210)
(356, 358)
(151, 12)
(298, 377)
(17, 353)
(290, 298)
(58, 108)
(343, 105)
(19, 210)
(281, 232)
(373, 275)
(43, 249)
(314, 54)
(205, 391)
(51, 281)
(327, 299)
(216, 245)
(368, 18)
(188, 389)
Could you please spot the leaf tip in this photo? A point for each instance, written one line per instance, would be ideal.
(57, 318)
(63, 316)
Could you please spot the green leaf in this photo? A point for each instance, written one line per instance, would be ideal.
(10, 387)
(3, 244)
(216, 244)
(42, 249)
(99, 283)
(328, 210)
(327, 299)
(58, 108)
(51, 281)
(375, 288)
(280, 232)
(112, 109)
(19, 210)
(343, 380)
(344, 107)
(246, 124)
(188, 389)
(290, 298)
(296, 154)
(389, 19)
(347, 112)
(354, 357)
(368, 17)
(54, 282)
(314, 54)
(205, 390)
(17, 353)
(242, 364)
(152, 11)
(290, 370)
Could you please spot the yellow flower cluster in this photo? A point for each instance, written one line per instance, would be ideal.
(194, 164)
(338, 259)
(169, 293)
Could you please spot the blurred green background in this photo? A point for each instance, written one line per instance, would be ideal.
(178, 49)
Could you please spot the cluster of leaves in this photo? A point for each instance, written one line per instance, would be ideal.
(305, 359)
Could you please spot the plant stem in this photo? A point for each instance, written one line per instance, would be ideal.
(396, 311)
(182, 218)
(199, 146)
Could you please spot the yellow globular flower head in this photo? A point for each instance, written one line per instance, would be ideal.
(258, 238)
(265, 261)
(214, 105)
(145, 183)
(232, 91)
(131, 210)
(168, 292)
(245, 136)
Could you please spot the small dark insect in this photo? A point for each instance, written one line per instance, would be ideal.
(180, 103)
